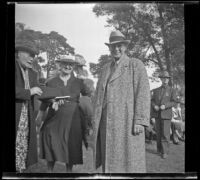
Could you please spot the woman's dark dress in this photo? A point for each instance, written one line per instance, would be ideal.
(63, 130)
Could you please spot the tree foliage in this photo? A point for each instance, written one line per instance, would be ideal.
(156, 31)
(95, 69)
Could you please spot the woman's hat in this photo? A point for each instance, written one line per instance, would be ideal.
(27, 46)
(164, 74)
(69, 59)
(117, 37)
(80, 60)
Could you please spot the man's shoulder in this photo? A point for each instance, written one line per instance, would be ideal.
(107, 65)
(136, 61)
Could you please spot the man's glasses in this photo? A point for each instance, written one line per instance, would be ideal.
(68, 66)
(117, 45)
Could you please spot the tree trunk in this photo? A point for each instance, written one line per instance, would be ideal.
(165, 46)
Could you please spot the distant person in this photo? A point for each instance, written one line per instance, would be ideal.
(177, 124)
(122, 111)
(62, 131)
(150, 131)
(85, 101)
(163, 99)
(26, 88)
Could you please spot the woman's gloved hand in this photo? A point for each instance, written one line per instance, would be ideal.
(56, 104)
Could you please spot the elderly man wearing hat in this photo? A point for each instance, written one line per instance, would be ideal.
(163, 99)
(122, 110)
(26, 88)
(62, 132)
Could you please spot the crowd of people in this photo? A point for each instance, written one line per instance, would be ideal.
(117, 115)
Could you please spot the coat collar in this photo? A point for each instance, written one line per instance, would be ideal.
(123, 63)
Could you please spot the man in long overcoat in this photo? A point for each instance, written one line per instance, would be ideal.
(163, 99)
(26, 87)
(122, 110)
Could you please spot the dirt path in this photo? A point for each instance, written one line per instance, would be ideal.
(155, 164)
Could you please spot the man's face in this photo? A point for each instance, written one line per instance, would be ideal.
(117, 50)
(25, 59)
(65, 68)
(165, 81)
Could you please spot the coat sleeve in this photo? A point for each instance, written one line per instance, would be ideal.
(25, 94)
(85, 90)
(153, 100)
(22, 94)
(142, 98)
(44, 105)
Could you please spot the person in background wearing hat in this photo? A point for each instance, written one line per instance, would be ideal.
(85, 101)
(62, 130)
(163, 99)
(26, 88)
(122, 110)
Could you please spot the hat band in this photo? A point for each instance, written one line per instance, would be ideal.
(116, 38)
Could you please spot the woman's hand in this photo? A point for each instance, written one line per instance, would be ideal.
(56, 104)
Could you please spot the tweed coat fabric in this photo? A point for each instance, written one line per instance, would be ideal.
(21, 95)
(128, 103)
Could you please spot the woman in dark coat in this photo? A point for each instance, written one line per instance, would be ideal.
(26, 87)
(62, 131)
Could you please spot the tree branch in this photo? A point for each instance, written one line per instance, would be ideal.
(140, 24)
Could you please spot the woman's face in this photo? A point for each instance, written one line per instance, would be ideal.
(25, 59)
(65, 68)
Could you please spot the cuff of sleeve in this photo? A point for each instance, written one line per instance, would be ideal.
(143, 122)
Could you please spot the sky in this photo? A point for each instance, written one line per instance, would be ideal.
(76, 22)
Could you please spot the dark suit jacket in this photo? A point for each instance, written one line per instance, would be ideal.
(168, 98)
(22, 95)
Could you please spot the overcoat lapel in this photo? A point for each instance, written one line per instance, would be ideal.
(160, 94)
(106, 75)
(120, 69)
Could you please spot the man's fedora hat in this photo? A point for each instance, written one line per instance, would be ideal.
(69, 59)
(27, 46)
(117, 37)
(80, 60)
(164, 74)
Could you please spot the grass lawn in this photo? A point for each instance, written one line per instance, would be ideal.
(174, 163)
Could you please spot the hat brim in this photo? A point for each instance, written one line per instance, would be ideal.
(115, 42)
(164, 76)
(26, 49)
(67, 61)
(80, 64)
